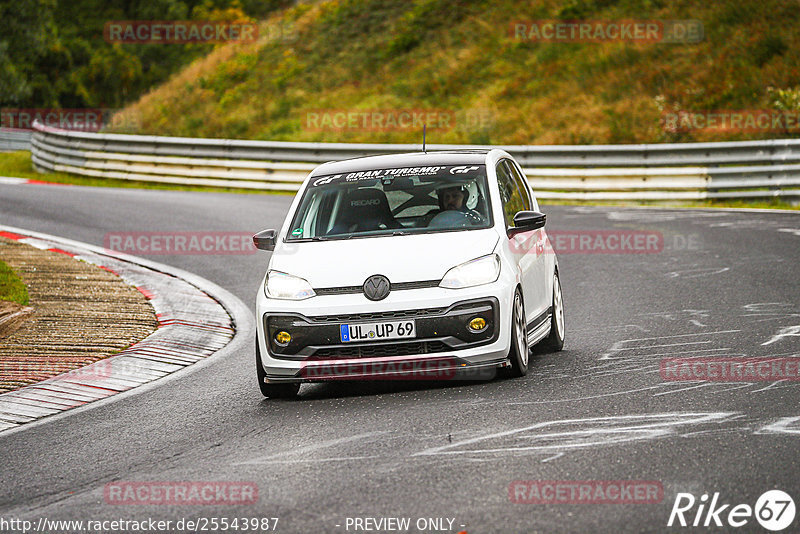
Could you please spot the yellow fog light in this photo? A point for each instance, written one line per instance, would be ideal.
(477, 324)
(282, 338)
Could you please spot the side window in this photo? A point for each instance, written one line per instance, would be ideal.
(522, 183)
(510, 194)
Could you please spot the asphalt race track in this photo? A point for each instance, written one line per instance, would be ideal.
(725, 284)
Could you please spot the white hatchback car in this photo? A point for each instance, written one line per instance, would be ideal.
(427, 265)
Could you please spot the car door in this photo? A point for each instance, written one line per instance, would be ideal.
(513, 201)
(532, 248)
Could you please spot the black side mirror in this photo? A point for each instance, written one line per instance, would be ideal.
(525, 221)
(265, 240)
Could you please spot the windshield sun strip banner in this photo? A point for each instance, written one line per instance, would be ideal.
(433, 171)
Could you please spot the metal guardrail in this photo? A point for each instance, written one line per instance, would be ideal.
(12, 140)
(686, 171)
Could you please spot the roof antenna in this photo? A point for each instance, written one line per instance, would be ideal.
(424, 127)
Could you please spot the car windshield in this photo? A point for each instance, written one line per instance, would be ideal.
(393, 201)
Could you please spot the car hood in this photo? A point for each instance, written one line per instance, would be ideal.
(405, 258)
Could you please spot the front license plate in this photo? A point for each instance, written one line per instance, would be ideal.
(377, 331)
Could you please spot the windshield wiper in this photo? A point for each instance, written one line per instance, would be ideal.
(330, 237)
(348, 236)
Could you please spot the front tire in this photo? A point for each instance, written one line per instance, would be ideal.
(518, 352)
(273, 391)
(555, 341)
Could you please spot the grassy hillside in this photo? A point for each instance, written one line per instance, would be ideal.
(458, 56)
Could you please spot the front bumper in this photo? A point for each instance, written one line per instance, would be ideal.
(442, 349)
(437, 330)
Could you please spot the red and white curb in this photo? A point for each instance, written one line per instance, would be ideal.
(10, 180)
(196, 319)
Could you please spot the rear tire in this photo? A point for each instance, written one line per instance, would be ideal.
(555, 341)
(518, 352)
(273, 391)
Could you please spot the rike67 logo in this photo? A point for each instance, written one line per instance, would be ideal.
(774, 510)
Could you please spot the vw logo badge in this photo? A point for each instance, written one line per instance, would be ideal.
(377, 287)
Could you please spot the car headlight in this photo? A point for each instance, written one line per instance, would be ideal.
(484, 270)
(284, 286)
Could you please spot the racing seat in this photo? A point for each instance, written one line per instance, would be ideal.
(364, 210)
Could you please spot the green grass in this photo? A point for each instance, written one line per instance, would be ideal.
(11, 287)
(18, 165)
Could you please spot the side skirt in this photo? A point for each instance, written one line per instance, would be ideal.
(539, 328)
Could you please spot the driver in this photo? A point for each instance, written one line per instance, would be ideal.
(451, 198)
